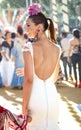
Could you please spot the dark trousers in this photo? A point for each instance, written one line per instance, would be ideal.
(65, 63)
(0, 57)
(76, 60)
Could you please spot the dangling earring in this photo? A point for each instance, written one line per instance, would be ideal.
(36, 37)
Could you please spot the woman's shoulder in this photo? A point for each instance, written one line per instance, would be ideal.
(72, 41)
(28, 48)
(4, 43)
(52, 45)
(80, 39)
(57, 47)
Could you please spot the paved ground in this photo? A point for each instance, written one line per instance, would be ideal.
(70, 97)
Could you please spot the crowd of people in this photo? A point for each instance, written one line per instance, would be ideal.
(11, 57)
(71, 56)
(41, 67)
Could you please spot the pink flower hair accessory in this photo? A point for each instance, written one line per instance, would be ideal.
(34, 9)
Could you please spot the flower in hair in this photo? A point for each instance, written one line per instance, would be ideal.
(19, 27)
(34, 9)
(6, 30)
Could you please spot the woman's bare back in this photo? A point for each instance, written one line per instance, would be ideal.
(45, 59)
(75, 41)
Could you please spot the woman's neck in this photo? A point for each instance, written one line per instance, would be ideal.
(42, 37)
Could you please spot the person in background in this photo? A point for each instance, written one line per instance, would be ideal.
(74, 44)
(41, 68)
(20, 71)
(1, 40)
(64, 46)
(17, 54)
(7, 65)
(13, 36)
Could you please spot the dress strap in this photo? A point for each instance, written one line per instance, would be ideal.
(58, 57)
(57, 63)
(28, 47)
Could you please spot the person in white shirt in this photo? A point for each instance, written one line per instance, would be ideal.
(64, 46)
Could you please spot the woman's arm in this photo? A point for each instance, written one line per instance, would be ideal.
(13, 58)
(28, 81)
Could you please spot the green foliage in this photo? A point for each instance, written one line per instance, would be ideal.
(13, 4)
(20, 3)
(46, 6)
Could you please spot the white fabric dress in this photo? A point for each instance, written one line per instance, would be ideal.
(44, 103)
(7, 68)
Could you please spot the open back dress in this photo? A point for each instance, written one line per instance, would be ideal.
(43, 103)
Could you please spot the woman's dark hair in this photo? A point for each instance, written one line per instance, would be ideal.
(13, 35)
(76, 33)
(41, 19)
(7, 33)
(20, 30)
(64, 34)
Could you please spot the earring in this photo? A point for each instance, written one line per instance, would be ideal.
(38, 30)
(36, 37)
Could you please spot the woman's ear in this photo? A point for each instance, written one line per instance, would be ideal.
(40, 28)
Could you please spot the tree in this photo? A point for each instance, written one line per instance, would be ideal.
(13, 4)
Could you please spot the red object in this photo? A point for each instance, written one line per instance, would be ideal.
(76, 84)
(15, 122)
(6, 30)
(19, 27)
(80, 85)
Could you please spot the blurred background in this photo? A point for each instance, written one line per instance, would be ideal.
(66, 14)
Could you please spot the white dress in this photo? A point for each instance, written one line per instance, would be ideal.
(43, 104)
(7, 68)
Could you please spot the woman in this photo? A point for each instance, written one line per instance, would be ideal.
(74, 44)
(17, 54)
(65, 45)
(7, 65)
(1, 40)
(41, 67)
